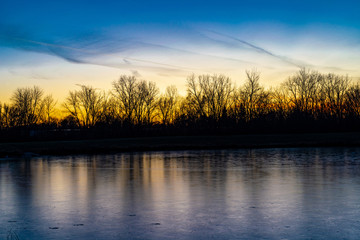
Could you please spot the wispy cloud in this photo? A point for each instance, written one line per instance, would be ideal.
(89, 56)
(192, 53)
(211, 51)
(94, 50)
(84, 52)
(261, 50)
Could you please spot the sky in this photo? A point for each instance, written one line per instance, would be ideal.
(58, 45)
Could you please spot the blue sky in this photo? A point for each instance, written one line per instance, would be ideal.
(58, 44)
(84, 14)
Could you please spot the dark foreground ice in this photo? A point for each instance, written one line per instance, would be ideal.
(304, 193)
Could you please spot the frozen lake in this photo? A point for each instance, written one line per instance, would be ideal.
(304, 193)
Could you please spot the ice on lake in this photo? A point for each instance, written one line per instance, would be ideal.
(303, 193)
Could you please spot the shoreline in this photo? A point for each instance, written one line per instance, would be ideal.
(168, 143)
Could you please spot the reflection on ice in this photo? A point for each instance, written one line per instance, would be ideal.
(269, 193)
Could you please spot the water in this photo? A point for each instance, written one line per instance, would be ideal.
(304, 193)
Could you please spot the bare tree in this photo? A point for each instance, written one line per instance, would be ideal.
(72, 106)
(85, 105)
(210, 95)
(27, 102)
(352, 101)
(195, 96)
(8, 116)
(303, 89)
(125, 91)
(333, 93)
(150, 95)
(252, 95)
(110, 110)
(91, 101)
(137, 99)
(280, 102)
(145, 102)
(48, 108)
(167, 103)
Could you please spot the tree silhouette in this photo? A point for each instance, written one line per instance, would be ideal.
(85, 105)
(167, 105)
(306, 101)
(145, 102)
(48, 108)
(252, 97)
(209, 95)
(136, 99)
(125, 92)
(333, 92)
(28, 105)
(352, 101)
(303, 89)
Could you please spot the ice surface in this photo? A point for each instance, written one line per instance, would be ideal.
(304, 193)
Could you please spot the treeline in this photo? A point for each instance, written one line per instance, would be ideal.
(307, 101)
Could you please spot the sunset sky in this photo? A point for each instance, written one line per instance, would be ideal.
(58, 44)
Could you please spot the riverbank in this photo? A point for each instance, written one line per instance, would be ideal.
(97, 146)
